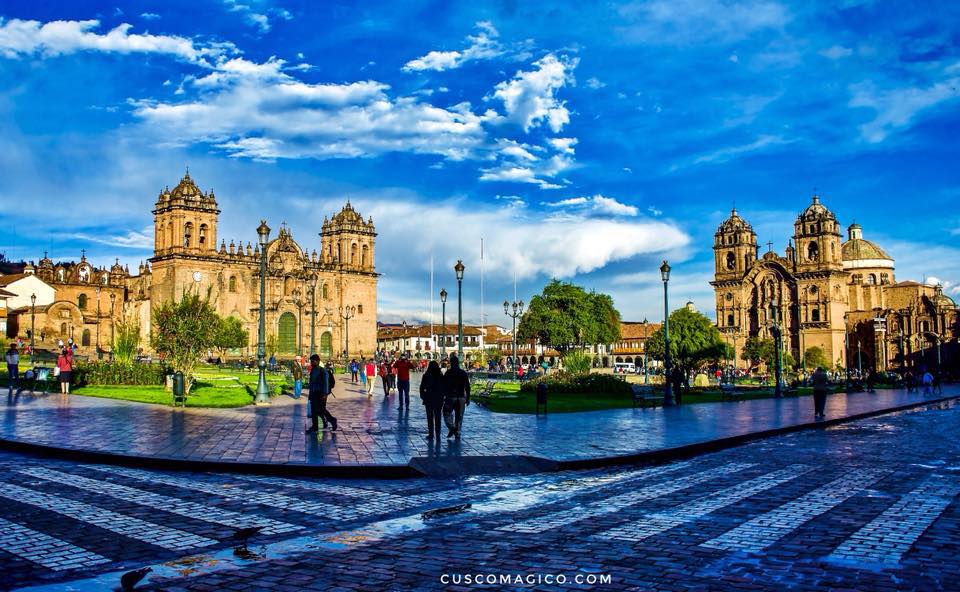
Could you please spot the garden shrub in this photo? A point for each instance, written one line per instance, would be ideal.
(102, 373)
(587, 384)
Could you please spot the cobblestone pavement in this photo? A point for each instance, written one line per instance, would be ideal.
(373, 432)
(869, 505)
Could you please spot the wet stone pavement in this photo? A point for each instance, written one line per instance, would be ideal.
(867, 505)
(373, 432)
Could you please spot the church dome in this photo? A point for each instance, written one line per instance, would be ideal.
(816, 211)
(186, 189)
(859, 252)
(349, 217)
(941, 300)
(734, 223)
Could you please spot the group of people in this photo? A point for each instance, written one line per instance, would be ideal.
(63, 370)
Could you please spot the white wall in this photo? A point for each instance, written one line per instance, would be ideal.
(26, 286)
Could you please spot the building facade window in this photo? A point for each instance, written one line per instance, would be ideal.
(232, 283)
(82, 302)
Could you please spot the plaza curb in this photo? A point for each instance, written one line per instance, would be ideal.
(663, 455)
(429, 467)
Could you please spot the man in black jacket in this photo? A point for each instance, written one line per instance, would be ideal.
(321, 385)
(456, 395)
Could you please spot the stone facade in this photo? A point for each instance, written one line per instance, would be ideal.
(186, 258)
(823, 290)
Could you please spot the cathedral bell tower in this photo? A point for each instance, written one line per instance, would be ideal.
(185, 221)
(347, 241)
(734, 248)
(817, 238)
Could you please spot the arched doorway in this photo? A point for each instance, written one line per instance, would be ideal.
(287, 333)
(85, 338)
(326, 344)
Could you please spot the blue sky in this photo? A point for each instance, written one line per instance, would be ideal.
(585, 142)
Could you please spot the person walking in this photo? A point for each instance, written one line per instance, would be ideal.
(456, 396)
(431, 393)
(297, 372)
(354, 370)
(273, 362)
(371, 368)
(820, 385)
(321, 386)
(13, 367)
(927, 382)
(402, 369)
(65, 369)
(362, 372)
(384, 372)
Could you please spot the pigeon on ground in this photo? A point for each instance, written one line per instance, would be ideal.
(129, 580)
(440, 512)
(243, 535)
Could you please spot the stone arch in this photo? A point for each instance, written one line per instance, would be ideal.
(188, 235)
(85, 338)
(353, 253)
(365, 256)
(202, 235)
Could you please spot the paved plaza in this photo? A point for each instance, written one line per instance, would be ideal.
(372, 432)
(866, 505)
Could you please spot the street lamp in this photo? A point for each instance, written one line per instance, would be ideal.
(517, 313)
(443, 321)
(113, 333)
(777, 346)
(903, 357)
(313, 314)
(667, 390)
(299, 302)
(859, 365)
(33, 323)
(346, 314)
(263, 391)
(458, 268)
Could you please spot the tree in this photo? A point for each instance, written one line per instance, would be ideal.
(183, 330)
(126, 340)
(230, 335)
(815, 357)
(694, 340)
(565, 316)
(757, 350)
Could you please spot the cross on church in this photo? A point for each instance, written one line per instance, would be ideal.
(770, 246)
(83, 253)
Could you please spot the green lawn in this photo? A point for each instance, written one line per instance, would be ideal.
(204, 394)
(507, 398)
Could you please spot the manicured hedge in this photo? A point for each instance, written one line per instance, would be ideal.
(587, 384)
(85, 373)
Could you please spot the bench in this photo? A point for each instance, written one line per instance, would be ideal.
(643, 397)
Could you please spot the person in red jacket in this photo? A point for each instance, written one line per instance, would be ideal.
(371, 376)
(402, 368)
(384, 372)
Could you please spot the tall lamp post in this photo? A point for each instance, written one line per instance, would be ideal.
(263, 391)
(667, 389)
(443, 322)
(458, 268)
(859, 364)
(313, 314)
(777, 346)
(516, 314)
(734, 359)
(347, 313)
(299, 303)
(903, 357)
(33, 323)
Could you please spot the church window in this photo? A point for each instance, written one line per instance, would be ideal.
(731, 260)
(857, 278)
(884, 278)
(187, 234)
(104, 279)
(63, 329)
(813, 251)
(871, 279)
(203, 234)
(85, 338)
(813, 290)
(232, 283)
(364, 255)
(287, 286)
(82, 302)
(325, 294)
(815, 315)
(730, 321)
(359, 309)
(353, 254)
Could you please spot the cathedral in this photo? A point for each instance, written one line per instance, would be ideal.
(841, 296)
(80, 301)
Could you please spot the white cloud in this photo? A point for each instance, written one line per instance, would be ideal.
(595, 83)
(730, 152)
(260, 111)
(563, 145)
(896, 108)
(518, 243)
(131, 240)
(597, 205)
(529, 98)
(19, 38)
(837, 52)
(685, 21)
(149, 16)
(254, 18)
(482, 46)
